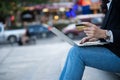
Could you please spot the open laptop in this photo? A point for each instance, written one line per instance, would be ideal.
(62, 36)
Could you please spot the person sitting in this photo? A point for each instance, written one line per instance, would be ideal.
(106, 57)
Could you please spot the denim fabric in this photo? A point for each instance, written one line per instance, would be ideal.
(97, 57)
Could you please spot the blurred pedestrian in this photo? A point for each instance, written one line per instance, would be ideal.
(26, 36)
(44, 19)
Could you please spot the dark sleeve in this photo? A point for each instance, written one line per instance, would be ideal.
(116, 36)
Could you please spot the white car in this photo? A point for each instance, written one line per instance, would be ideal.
(10, 36)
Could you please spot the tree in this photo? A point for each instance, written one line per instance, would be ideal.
(37, 1)
(10, 7)
(7, 6)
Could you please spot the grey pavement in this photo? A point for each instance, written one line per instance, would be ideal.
(41, 62)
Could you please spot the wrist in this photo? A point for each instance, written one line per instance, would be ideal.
(104, 34)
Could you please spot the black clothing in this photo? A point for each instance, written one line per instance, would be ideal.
(104, 6)
(27, 33)
(112, 22)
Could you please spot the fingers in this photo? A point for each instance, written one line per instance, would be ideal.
(90, 32)
(89, 28)
(93, 39)
(86, 39)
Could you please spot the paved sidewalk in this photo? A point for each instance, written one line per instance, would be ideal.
(40, 62)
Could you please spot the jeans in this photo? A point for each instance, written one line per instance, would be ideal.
(96, 57)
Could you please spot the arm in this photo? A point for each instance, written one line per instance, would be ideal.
(95, 33)
(116, 36)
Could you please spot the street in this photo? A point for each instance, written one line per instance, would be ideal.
(41, 61)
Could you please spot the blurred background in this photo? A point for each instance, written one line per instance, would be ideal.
(17, 16)
(29, 51)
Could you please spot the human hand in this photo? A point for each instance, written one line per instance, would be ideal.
(92, 31)
(87, 39)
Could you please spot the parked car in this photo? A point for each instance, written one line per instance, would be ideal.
(10, 36)
(72, 32)
(39, 31)
(93, 18)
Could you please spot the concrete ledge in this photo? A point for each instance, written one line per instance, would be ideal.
(95, 74)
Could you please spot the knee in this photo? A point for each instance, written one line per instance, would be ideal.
(74, 51)
(74, 48)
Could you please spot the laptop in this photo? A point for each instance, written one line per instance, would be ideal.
(64, 37)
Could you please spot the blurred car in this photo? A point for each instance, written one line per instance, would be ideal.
(10, 36)
(93, 18)
(72, 32)
(97, 21)
(39, 31)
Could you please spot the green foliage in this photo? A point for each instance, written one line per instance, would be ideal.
(37, 1)
(14, 27)
(8, 6)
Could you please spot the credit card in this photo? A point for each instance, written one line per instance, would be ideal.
(80, 27)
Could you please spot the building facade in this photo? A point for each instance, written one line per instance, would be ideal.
(61, 1)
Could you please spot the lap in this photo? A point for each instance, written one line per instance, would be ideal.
(98, 57)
